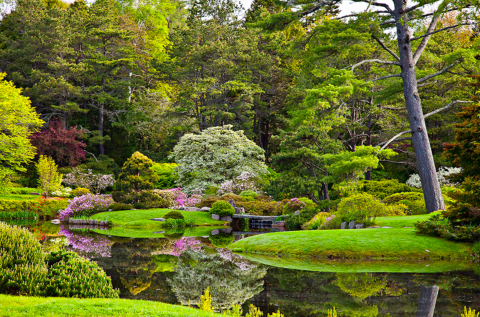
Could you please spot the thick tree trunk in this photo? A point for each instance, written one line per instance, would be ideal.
(421, 143)
(427, 301)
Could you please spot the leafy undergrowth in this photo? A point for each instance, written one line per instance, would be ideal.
(149, 233)
(354, 244)
(402, 221)
(360, 266)
(49, 307)
(143, 218)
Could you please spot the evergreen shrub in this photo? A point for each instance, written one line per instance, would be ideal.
(249, 194)
(120, 206)
(174, 215)
(384, 188)
(222, 208)
(80, 191)
(413, 200)
(361, 208)
(44, 208)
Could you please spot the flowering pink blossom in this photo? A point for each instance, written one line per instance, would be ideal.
(183, 200)
(84, 206)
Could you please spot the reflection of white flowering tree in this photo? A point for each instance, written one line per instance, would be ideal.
(216, 155)
(231, 280)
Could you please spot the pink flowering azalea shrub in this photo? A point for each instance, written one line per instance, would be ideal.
(293, 205)
(183, 200)
(186, 243)
(89, 247)
(85, 206)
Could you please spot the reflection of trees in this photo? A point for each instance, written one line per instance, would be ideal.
(361, 285)
(229, 283)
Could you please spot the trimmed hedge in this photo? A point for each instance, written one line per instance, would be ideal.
(44, 208)
(384, 188)
(222, 208)
(174, 215)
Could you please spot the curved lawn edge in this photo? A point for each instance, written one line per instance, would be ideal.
(359, 266)
(142, 218)
(354, 244)
(58, 306)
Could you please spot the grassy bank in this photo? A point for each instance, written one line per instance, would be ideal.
(49, 307)
(402, 221)
(354, 244)
(143, 218)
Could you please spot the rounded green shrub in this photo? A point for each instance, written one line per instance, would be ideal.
(413, 200)
(222, 208)
(222, 240)
(80, 191)
(361, 207)
(119, 206)
(70, 275)
(249, 194)
(174, 215)
(22, 261)
(384, 188)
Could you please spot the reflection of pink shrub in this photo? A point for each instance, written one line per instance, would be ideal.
(186, 243)
(91, 247)
(183, 200)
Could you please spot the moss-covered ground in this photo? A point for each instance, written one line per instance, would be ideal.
(142, 219)
(386, 244)
(49, 307)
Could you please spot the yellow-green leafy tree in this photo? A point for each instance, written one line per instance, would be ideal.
(18, 120)
(50, 179)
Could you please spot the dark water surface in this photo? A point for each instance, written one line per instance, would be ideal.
(178, 269)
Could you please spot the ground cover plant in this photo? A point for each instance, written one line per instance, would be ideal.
(360, 244)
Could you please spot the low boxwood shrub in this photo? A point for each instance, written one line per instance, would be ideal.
(142, 199)
(249, 194)
(222, 208)
(361, 208)
(80, 191)
(437, 226)
(174, 215)
(120, 206)
(22, 261)
(385, 188)
(44, 208)
(413, 200)
(70, 275)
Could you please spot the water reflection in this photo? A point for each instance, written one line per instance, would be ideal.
(178, 269)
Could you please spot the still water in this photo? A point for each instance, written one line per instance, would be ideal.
(179, 268)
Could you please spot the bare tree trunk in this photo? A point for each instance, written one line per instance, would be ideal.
(427, 301)
(421, 143)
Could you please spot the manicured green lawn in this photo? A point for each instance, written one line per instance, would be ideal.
(402, 221)
(142, 218)
(354, 244)
(361, 266)
(49, 307)
(152, 233)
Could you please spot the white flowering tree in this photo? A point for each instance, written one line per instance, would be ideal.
(214, 156)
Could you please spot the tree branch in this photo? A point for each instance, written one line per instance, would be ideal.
(424, 42)
(430, 33)
(385, 144)
(386, 48)
(421, 80)
(385, 77)
(374, 61)
(445, 108)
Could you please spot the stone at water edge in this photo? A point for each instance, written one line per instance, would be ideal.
(191, 209)
(226, 230)
(239, 210)
(279, 224)
(360, 226)
(232, 202)
(215, 217)
(158, 219)
(205, 209)
(55, 221)
(214, 232)
(344, 225)
(226, 218)
(352, 224)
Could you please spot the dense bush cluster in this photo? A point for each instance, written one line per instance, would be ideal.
(44, 208)
(361, 208)
(26, 270)
(85, 206)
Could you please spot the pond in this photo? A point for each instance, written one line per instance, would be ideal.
(177, 269)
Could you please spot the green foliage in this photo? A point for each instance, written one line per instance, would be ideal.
(43, 208)
(206, 301)
(222, 240)
(361, 285)
(165, 175)
(137, 174)
(260, 205)
(248, 194)
(18, 120)
(22, 261)
(174, 215)
(49, 179)
(80, 191)
(361, 207)
(70, 275)
(469, 313)
(216, 155)
(20, 214)
(441, 227)
(142, 199)
(384, 188)
(317, 221)
(297, 221)
(120, 206)
(22, 190)
(222, 208)
(413, 200)
(332, 312)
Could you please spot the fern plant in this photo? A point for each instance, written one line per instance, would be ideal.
(469, 313)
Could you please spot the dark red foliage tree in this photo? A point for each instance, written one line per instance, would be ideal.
(66, 147)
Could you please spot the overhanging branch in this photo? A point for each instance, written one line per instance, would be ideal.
(445, 108)
(386, 48)
(374, 61)
(421, 80)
